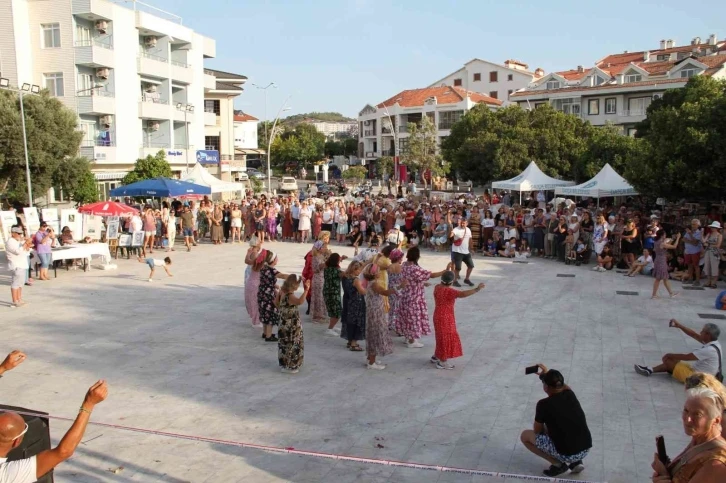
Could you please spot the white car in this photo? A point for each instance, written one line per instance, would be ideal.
(242, 176)
(288, 184)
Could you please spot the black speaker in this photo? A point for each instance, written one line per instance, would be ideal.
(37, 438)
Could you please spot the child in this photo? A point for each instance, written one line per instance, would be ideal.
(510, 249)
(290, 343)
(644, 265)
(363, 228)
(649, 240)
(153, 263)
(448, 344)
(580, 251)
(413, 240)
(524, 251)
(491, 248)
(570, 247)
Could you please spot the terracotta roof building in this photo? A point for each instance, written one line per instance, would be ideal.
(618, 88)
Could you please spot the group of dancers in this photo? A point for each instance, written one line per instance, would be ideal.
(376, 294)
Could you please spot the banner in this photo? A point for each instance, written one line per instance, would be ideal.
(7, 220)
(92, 226)
(50, 216)
(71, 219)
(32, 221)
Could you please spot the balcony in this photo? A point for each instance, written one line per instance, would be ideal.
(210, 118)
(99, 150)
(370, 154)
(99, 8)
(152, 147)
(388, 152)
(210, 81)
(94, 53)
(387, 131)
(181, 72)
(369, 133)
(96, 102)
(179, 115)
(639, 111)
(153, 65)
(150, 108)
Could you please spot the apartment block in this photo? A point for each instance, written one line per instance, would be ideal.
(134, 75)
(618, 88)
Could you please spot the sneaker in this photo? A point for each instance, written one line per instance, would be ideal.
(596, 268)
(376, 366)
(272, 338)
(415, 345)
(457, 284)
(434, 360)
(150, 280)
(444, 365)
(643, 370)
(554, 470)
(337, 330)
(331, 333)
(468, 282)
(577, 467)
(602, 269)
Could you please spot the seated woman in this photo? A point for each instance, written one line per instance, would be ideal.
(441, 235)
(66, 237)
(523, 251)
(704, 459)
(677, 267)
(604, 260)
(510, 249)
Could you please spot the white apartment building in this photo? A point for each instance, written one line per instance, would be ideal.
(219, 113)
(497, 81)
(245, 131)
(380, 126)
(135, 76)
(331, 129)
(619, 88)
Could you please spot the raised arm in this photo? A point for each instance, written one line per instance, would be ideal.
(689, 332)
(13, 360)
(674, 245)
(466, 293)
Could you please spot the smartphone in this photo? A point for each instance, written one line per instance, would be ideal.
(662, 455)
(531, 370)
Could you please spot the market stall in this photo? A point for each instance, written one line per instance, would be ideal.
(531, 179)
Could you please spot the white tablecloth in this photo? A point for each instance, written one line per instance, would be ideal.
(82, 250)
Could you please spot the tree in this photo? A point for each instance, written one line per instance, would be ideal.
(333, 148)
(52, 137)
(74, 176)
(385, 166)
(149, 167)
(302, 145)
(684, 137)
(423, 150)
(606, 145)
(355, 172)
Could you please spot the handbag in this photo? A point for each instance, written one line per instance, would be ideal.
(719, 374)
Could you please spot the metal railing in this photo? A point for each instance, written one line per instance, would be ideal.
(370, 154)
(180, 146)
(211, 110)
(388, 152)
(209, 72)
(369, 132)
(211, 148)
(179, 64)
(226, 157)
(94, 92)
(157, 58)
(91, 143)
(155, 144)
(386, 130)
(94, 42)
(446, 124)
(634, 112)
(154, 100)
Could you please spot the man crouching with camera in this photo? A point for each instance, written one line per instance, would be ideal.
(560, 433)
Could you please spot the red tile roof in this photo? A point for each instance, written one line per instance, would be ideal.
(443, 95)
(244, 117)
(572, 74)
(713, 61)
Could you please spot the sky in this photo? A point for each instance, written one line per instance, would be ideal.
(339, 55)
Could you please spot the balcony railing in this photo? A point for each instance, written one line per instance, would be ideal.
(226, 157)
(90, 143)
(153, 57)
(155, 144)
(95, 43)
(179, 64)
(211, 148)
(180, 146)
(386, 130)
(208, 72)
(94, 92)
(634, 112)
(370, 154)
(403, 128)
(154, 100)
(211, 111)
(369, 132)
(388, 152)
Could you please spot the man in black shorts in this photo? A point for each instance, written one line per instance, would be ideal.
(460, 246)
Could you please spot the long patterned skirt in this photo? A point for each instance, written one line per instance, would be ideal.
(252, 286)
(317, 301)
(378, 339)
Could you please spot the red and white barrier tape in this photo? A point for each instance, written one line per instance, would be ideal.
(316, 454)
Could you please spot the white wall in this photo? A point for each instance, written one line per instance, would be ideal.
(502, 86)
(245, 135)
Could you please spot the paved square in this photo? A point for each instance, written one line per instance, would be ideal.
(181, 356)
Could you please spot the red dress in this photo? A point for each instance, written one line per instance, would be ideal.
(448, 344)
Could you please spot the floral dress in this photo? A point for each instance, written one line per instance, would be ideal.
(290, 344)
(448, 344)
(412, 320)
(331, 291)
(378, 339)
(272, 222)
(394, 301)
(269, 315)
(203, 222)
(353, 319)
(317, 302)
(252, 286)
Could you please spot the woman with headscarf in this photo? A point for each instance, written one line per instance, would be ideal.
(290, 344)
(353, 317)
(320, 256)
(266, 295)
(331, 292)
(252, 281)
(412, 319)
(378, 339)
(271, 224)
(217, 217)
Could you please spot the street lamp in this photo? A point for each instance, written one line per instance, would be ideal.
(33, 89)
(394, 129)
(271, 84)
(269, 142)
(186, 108)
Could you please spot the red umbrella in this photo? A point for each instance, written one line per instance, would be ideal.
(107, 208)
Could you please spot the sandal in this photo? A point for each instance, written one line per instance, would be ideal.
(355, 348)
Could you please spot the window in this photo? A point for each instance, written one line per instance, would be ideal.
(211, 143)
(567, 106)
(477, 77)
(89, 133)
(54, 83)
(633, 78)
(457, 82)
(85, 85)
(494, 76)
(663, 57)
(448, 118)
(611, 105)
(494, 94)
(539, 104)
(598, 80)
(683, 55)
(593, 107)
(83, 35)
(632, 132)
(510, 77)
(51, 35)
(509, 92)
(403, 145)
(637, 106)
(211, 105)
(687, 73)
(553, 85)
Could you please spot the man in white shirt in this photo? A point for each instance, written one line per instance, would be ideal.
(13, 428)
(706, 359)
(295, 211)
(395, 237)
(17, 249)
(460, 246)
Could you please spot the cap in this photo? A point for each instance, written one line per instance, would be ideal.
(16, 229)
(448, 277)
(397, 227)
(553, 378)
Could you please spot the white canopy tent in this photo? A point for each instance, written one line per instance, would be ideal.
(531, 179)
(199, 175)
(605, 183)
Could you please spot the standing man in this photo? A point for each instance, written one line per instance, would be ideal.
(295, 211)
(17, 248)
(187, 218)
(13, 428)
(460, 251)
(693, 240)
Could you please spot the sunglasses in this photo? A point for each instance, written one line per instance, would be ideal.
(21, 434)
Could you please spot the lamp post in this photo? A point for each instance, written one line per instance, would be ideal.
(186, 108)
(271, 84)
(33, 89)
(394, 130)
(269, 143)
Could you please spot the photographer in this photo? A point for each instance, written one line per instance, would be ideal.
(17, 250)
(560, 434)
(43, 240)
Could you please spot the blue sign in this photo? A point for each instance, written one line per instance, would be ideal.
(207, 157)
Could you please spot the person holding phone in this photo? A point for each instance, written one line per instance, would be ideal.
(560, 433)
